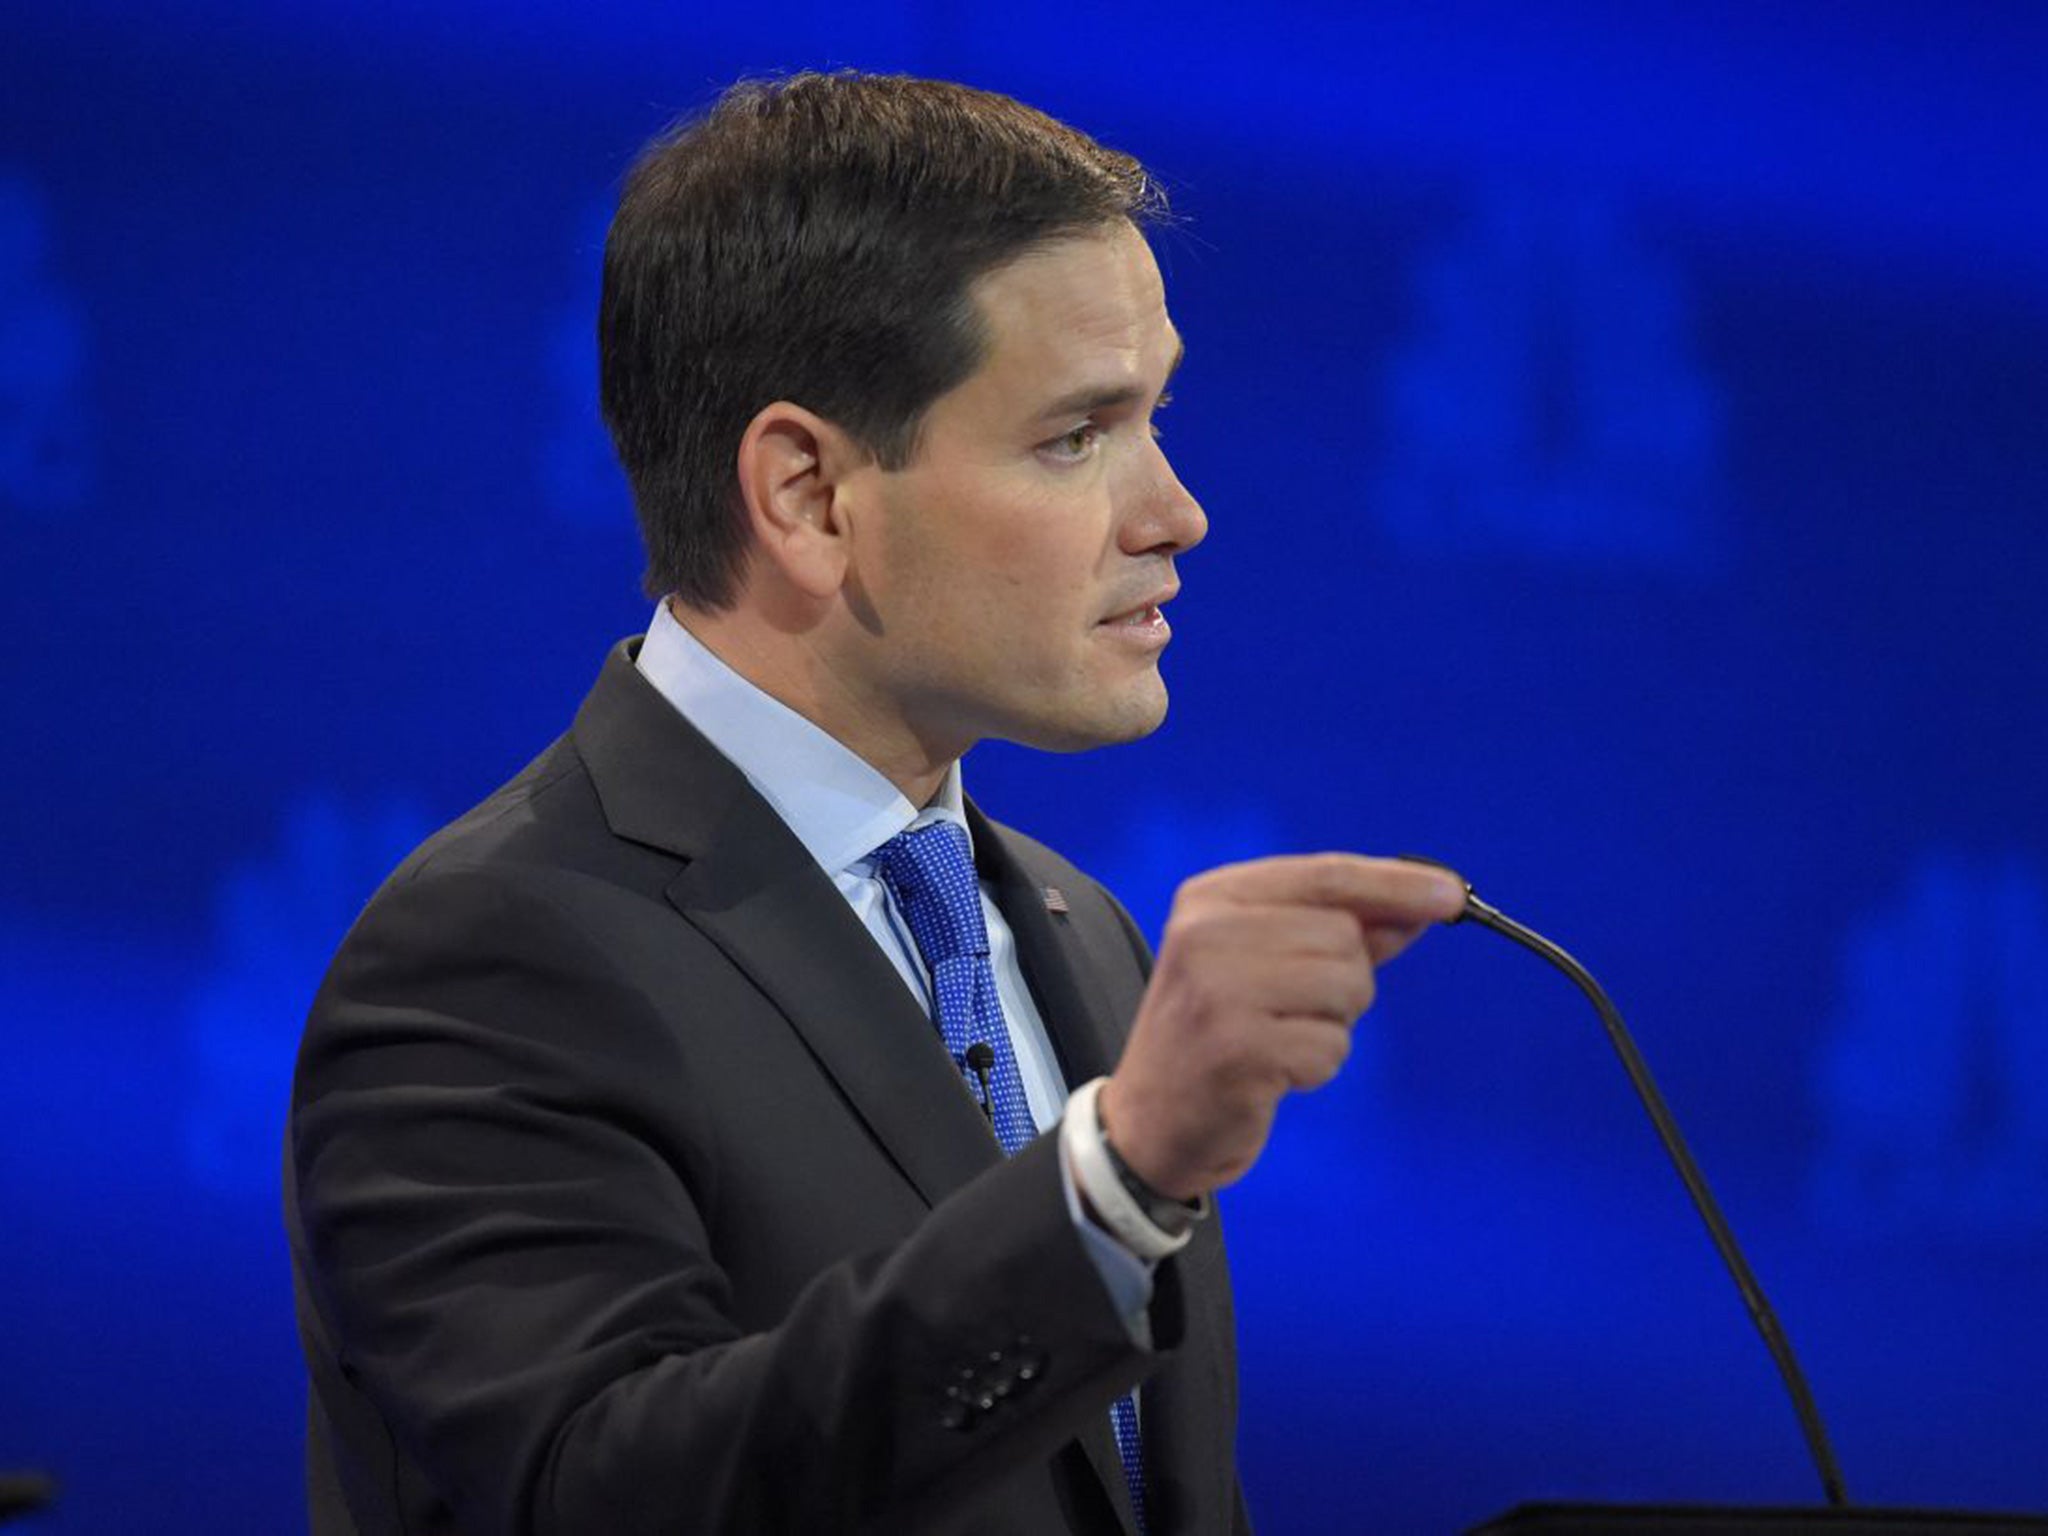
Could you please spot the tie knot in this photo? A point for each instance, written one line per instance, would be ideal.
(930, 872)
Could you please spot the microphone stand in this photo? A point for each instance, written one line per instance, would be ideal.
(1837, 1516)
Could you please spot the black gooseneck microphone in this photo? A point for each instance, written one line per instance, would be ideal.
(1638, 1071)
(980, 1060)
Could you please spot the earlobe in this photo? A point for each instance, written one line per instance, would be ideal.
(791, 477)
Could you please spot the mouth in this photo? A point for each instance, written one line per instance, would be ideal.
(1145, 613)
(1144, 623)
(1137, 618)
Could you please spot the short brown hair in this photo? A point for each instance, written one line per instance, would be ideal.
(815, 239)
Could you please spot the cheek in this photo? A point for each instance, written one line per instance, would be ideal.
(1056, 547)
(1009, 564)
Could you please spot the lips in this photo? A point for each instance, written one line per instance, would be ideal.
(1146, 615)
(1146, 611)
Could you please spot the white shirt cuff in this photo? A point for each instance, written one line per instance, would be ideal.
(1126, 1277)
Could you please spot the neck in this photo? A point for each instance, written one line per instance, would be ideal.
(789, 665)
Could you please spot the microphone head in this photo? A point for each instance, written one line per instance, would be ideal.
(979, 1057)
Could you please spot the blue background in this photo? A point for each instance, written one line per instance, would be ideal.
(1625, 432)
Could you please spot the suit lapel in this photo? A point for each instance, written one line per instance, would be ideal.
(753, 890)
(1053, 954)
(783, 923)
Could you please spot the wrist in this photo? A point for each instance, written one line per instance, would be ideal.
(1149, 1223)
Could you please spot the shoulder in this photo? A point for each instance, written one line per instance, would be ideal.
(528, 886)
(543, 833)
(511, 947)
(546, 815)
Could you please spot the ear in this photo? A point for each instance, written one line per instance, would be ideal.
(793, 471)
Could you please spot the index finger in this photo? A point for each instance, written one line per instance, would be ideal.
(1380, 892)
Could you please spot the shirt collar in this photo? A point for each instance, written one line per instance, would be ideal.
(840, 807)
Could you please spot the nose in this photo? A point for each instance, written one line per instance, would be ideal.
(1166, 518)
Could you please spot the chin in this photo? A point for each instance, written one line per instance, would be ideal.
(1111, 723)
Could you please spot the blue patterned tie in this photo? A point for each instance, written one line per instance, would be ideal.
(931, 874)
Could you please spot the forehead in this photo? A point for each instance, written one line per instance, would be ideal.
(1083, 310)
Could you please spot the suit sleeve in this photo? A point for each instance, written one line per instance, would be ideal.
(500, 1212)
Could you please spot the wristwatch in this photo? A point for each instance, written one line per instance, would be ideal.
(1171, 1216)
(1149, 1224)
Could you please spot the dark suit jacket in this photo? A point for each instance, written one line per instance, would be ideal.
(629, 1189)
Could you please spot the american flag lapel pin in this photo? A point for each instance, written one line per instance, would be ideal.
(1055, 899)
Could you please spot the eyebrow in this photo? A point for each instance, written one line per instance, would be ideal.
(1089, 399)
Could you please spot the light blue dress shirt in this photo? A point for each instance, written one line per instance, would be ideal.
(841, 809)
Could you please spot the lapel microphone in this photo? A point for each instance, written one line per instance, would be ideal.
(1753, 1299)
(980, 1060)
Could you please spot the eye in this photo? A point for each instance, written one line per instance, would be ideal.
(1076, 446)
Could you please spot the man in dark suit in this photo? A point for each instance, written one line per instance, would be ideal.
(725, 1126)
